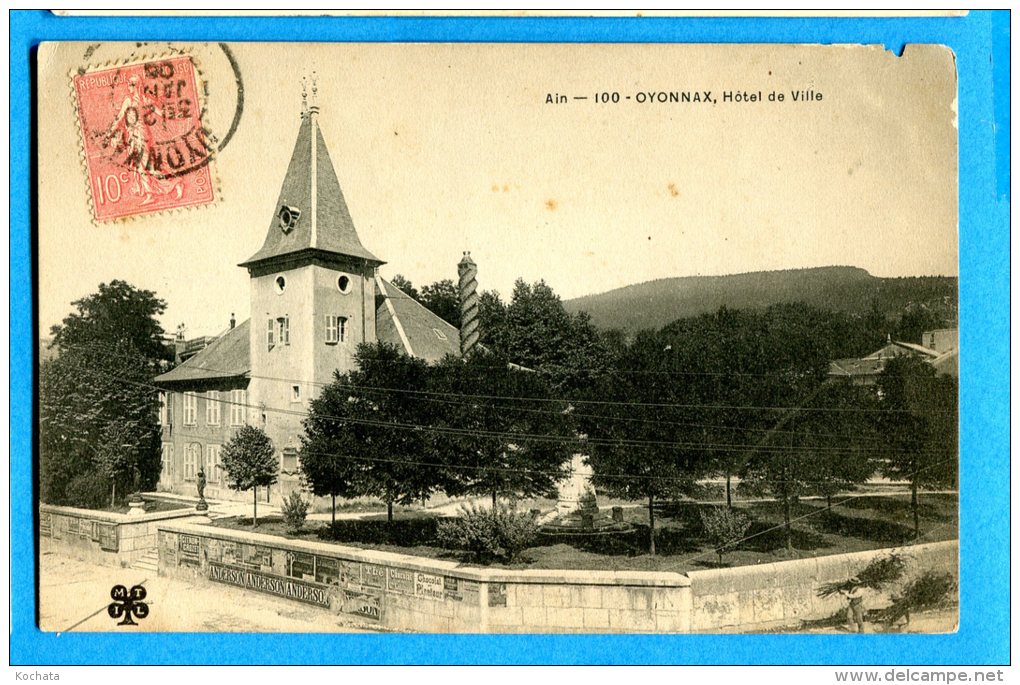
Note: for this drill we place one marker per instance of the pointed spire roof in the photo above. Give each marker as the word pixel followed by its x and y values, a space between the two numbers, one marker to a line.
pixel 322 222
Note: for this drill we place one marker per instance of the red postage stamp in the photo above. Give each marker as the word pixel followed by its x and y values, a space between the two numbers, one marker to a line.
pixel 145 146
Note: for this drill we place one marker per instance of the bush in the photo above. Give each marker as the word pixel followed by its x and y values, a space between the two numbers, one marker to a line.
pixel 931 590
pixel 501 532
pixel 724 528
pixel 88 491
pixel 295 510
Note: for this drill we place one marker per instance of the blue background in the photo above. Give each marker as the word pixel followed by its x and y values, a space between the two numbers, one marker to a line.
pixel 981 44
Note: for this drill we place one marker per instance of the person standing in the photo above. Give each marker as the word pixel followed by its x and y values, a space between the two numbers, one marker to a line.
pixel 855 608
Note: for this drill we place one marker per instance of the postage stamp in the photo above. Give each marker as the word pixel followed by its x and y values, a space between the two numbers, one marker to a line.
pixel 144 144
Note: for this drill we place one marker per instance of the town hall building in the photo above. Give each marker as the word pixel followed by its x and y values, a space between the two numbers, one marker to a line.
pixel 316 294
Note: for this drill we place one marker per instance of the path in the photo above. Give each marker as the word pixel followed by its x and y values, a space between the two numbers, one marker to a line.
pixel 74 594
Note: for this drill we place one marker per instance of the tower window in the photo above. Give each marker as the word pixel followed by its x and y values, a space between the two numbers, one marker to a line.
pixel 295 393
pixel 281 284
pixel 270 334
pixel 283 330
pixel 343 284
pixel 336 329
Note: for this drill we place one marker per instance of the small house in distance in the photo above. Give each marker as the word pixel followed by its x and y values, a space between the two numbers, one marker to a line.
pixel 938 348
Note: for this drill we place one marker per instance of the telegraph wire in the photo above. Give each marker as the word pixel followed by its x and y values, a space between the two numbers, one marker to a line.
pixel 657 405
pixel 472 432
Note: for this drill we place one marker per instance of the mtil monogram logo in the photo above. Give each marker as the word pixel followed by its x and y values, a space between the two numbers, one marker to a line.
pixel 128 604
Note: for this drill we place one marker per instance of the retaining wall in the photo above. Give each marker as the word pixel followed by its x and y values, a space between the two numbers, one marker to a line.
pixel 431 595
pixel 104 537
pixel 427 595
pixel 785 593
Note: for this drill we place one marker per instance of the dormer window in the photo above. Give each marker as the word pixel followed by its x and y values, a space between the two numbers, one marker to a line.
pixel 288 217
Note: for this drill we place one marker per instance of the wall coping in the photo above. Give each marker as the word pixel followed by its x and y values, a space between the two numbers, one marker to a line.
pixel 440 566
pixel 113 517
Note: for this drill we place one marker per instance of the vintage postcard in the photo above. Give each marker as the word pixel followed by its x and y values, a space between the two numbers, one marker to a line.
pixel 497 338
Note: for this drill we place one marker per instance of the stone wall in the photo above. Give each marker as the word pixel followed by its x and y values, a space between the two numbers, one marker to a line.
pixel 430 595
pixel 785 593
pixel 103 537
pixel 427 595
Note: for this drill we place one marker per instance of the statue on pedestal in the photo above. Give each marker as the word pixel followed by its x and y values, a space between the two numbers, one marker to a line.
pixel 202 505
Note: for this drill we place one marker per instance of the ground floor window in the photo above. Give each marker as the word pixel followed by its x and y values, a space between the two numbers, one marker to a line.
pixel 192 458
pixel 167 472
pixel 213 468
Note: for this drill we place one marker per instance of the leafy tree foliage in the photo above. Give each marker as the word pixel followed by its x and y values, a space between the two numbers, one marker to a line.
pixel 250 462
pixel 97 415
pixel 97 412
pixel 443 299
pixel 405 286
pixel 643 435
pixel 393 426
pixel 331 442
pixel 534 330
pixel 916 320
pixel 118 314
pixel 919 424
pixel 500 434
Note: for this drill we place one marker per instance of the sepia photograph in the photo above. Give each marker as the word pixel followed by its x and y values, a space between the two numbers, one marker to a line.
pixel 497 338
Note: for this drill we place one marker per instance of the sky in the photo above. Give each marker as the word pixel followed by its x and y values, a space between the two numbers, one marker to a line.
pixel 446 148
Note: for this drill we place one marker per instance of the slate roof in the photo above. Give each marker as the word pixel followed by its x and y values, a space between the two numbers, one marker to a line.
pixel 325 224
pixel 947 363
pixel 856 367
pixel 403 321
pixel 400 320
pixel 229 356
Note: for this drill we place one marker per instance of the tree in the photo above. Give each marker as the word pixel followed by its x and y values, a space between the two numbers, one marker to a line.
pixel 393 425
pixel 918 424
pixel 534 330
pixel 98 411
pixel 330 441
pixel 118 313
pixel 405 286
pixel 250 462
pixel 644 439
pixel 443 299
pixel 917 319
pixel 497 425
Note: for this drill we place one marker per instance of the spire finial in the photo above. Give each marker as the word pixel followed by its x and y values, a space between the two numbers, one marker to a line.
pixel 313 103
pixel 304 95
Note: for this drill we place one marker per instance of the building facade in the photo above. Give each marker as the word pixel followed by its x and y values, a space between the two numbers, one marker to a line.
pixel 315 295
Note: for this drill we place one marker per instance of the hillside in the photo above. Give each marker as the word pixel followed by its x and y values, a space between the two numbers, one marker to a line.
pixel 839 288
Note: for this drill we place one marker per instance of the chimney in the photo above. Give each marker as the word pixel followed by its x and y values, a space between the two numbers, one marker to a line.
pixel 468 304
pixel 233 321
pixel 179 343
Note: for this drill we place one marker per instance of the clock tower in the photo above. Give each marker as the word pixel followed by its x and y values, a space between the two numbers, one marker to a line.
pixel 312 291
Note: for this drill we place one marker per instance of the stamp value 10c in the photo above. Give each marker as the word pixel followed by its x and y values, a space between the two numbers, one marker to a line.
pixel 145 147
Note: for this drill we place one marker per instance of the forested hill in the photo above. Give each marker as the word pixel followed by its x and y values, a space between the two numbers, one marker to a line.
pixel 839 288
